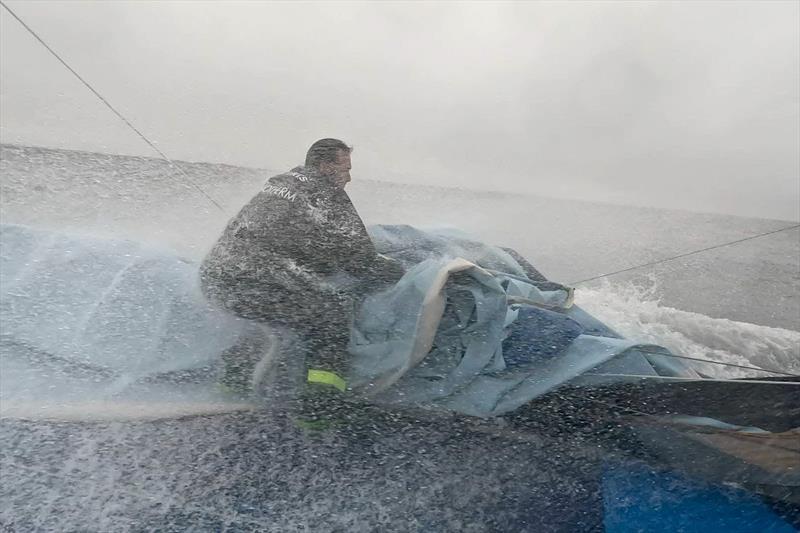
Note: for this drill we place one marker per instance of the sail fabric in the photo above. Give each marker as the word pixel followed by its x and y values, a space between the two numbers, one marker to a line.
pixel 437 338
pixel 113 305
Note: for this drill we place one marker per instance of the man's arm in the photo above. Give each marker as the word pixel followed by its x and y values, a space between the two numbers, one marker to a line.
pixel 389 270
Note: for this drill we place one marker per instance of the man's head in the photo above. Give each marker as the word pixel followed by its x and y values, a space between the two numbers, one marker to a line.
pixel 330 158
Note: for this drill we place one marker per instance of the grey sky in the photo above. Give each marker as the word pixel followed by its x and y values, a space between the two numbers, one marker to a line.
pixel 684 105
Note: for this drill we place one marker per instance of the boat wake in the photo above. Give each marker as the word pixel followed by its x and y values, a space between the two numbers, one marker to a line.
pixel 636 312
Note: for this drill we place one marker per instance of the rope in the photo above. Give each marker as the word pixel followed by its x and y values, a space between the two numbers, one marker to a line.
pixel 112 108
pixel 663 354
pixel 717 380
pixel 686 254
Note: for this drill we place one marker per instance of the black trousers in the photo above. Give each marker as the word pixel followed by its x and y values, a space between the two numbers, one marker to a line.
pixel 322 319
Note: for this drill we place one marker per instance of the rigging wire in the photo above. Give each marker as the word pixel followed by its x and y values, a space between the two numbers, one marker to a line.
pixel 706 249
pixel 723 363
pixel 677 378
pixel 112 108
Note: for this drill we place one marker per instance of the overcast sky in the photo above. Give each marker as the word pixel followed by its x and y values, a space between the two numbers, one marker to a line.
pixel 686 105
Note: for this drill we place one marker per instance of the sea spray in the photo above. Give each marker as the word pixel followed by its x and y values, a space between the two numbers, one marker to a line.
pixel 635 311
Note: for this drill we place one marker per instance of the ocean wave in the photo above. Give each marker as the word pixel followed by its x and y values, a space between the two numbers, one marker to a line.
pixel 635 311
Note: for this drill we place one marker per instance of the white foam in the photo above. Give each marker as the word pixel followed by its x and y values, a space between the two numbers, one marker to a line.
pixel 636 312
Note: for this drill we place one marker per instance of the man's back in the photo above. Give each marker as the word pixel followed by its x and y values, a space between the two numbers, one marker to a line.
pixel 298 229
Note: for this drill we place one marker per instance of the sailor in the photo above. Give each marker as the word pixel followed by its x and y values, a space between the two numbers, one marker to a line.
pixel 299 255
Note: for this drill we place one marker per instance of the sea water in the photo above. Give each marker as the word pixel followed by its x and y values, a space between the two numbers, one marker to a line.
pixel 739 304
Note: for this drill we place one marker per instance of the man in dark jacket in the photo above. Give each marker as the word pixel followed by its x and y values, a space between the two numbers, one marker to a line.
pixel 299 255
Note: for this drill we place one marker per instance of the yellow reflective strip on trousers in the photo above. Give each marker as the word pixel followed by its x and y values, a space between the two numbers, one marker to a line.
pixel 327 378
